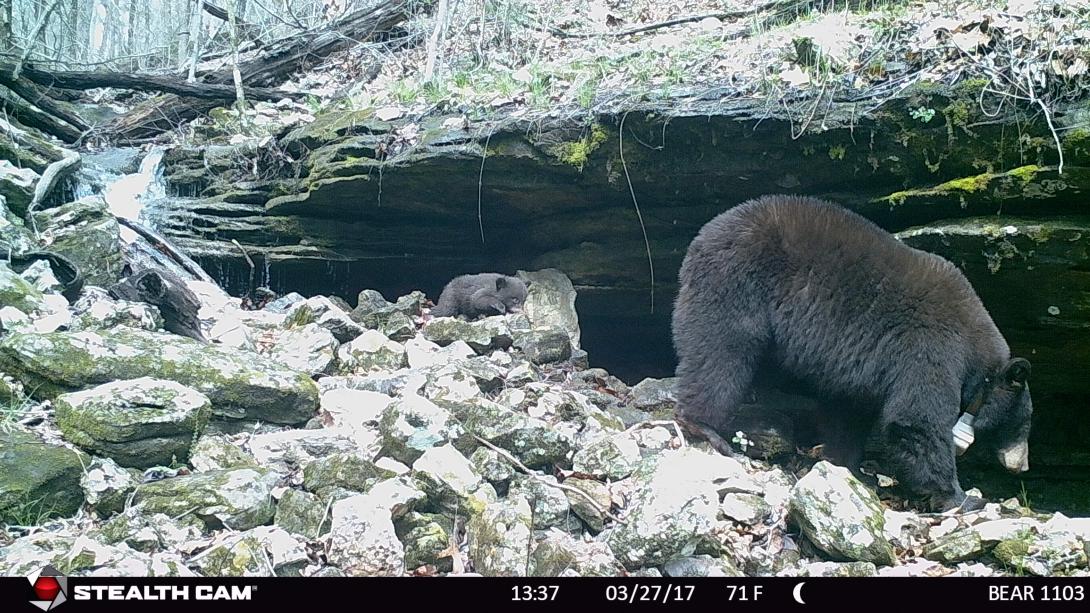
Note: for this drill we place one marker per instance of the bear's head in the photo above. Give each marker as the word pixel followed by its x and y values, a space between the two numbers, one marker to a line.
pixel 1003 420
pixel 512 293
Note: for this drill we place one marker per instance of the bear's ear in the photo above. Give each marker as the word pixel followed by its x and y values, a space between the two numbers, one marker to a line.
pixel 1016 372
pixel 501 282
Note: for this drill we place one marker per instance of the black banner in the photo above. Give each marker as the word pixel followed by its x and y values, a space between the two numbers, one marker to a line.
pixel 593 594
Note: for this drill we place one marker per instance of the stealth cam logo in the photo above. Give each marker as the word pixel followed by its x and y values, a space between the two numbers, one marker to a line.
pixel 50 586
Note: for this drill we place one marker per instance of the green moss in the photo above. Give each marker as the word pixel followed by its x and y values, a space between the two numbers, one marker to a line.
pixel 837 152
pixel 970 185
pixel 1025 174
pixel 578 152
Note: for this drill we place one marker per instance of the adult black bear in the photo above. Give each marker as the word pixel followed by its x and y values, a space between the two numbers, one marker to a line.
pixel 487 293
pixel 891 336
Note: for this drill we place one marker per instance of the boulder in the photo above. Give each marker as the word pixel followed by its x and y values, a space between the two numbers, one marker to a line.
pixel 87 233
pixel 140 422
pixel 310 349
pixel 238 499
pixel 239 385
pixel 363 541
pixel 550 302
pixel 840 515
pixel 37 480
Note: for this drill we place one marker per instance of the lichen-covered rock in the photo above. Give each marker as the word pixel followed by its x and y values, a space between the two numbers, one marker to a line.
pixel 655 396
pixel 37 480
pixel 18 293
pixel 148 533
pixel 239 554
pixel 744 508
pixel 239 385
pixel 596 493
pixel 838 569
pixel 1043 555
pixel 544 346
pixel 675 504
pixel 412 425
pixel 482 335
pixel 106 486
pixel 612 457
pixel 422 353
pixel 239 499
pixel 498 538
pixel 550 302
pixel 217 452
pixel 310 349
pixel 449 481
pixel 91 558
pixel 451 383
pixel 87 233
pixel 14 235
pixel 701 566
pixel 427 540
pixel 549 504
pixel 955 547
pixel 371 351
pixel 17 186
pixel 398 495
pixel 840 515
pixel 322 311
pixel 141 422
pixel 491 466
pixel 302 513
pixel 532 441
pixel 96 310
pixel 363 541
pixel 392 320
pixel 290 449
pixel 557 552
pixel 349 471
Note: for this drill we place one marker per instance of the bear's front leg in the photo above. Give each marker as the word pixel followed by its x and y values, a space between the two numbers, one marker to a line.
pixel 920 447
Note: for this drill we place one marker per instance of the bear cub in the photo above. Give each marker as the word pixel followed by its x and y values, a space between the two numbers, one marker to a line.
pixel 483 294
pixel 892 339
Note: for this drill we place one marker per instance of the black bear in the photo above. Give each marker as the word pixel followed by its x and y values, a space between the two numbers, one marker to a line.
pixel 888 336
pixel 487 293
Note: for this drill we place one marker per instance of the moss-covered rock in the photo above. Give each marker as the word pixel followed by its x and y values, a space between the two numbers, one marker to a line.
pixel 239 499
pixel 427 540
pixel 240 385
pixel 16 292
pixel 88 234
pixel 302 513
pixel 37 480
pixel 558 552
pixel 498 537
pixel 532 440
pixel 371 351
pixel 342 471
pixel 840 515
pixel 140 422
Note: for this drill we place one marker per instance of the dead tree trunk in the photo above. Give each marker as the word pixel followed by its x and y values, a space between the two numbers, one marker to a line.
pixel 276 63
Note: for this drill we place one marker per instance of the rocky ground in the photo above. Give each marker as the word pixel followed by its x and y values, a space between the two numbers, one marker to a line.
pixel 316 439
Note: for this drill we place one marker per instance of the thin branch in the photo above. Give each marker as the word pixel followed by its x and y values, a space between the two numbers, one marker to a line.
pixel 540 478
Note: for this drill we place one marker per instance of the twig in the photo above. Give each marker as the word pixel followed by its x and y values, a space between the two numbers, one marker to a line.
pixel 636 205
pixel 480 184
pixel 250 287
pixel 672 22
pixel 539 477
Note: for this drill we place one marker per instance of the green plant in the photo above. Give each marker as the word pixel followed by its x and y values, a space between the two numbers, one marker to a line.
pixel 1023 495
pixel 923 113
pixel 741 440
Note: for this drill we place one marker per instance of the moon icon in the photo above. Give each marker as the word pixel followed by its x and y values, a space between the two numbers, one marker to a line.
pixel 797 592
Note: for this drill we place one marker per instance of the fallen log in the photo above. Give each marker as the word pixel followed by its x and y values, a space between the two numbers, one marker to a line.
pixel 276 62
pixel 141 82
pixel 34 117
pixel 53 174
pixel 245 28
pixel 43 101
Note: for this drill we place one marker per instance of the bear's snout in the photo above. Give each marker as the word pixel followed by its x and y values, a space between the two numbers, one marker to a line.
pixel 1015 458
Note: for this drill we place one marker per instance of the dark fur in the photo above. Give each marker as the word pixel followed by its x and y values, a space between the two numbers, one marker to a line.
pixel 487 293
pixel 886 335
pixel 178 305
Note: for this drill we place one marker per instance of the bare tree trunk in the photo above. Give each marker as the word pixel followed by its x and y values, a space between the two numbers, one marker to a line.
pixel 5 25
pixel 435 39
pixel 232 19
pixel 43 20
pixel 196 32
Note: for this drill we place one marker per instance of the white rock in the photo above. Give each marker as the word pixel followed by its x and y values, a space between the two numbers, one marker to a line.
pixel 362 540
